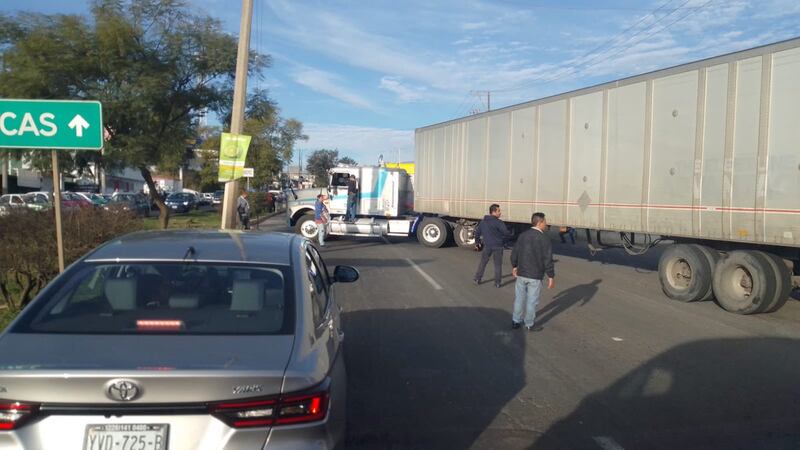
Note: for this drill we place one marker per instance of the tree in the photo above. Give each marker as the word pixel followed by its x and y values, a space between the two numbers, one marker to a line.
pixel 153 64
pixel 348 161
pixel 318 164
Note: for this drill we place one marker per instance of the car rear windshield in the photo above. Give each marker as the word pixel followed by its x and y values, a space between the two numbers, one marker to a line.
pixel 140 298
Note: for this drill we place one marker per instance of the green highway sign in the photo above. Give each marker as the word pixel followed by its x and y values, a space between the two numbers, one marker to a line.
pixel 51 124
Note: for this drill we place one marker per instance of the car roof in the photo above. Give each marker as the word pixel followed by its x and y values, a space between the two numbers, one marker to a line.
pixel 209 245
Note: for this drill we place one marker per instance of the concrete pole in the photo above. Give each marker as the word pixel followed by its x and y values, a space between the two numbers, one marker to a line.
pixel 4 173
pixel 237 114
pixel 57 209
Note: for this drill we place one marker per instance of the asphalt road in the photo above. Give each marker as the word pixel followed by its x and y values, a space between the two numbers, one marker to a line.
pixel 432 361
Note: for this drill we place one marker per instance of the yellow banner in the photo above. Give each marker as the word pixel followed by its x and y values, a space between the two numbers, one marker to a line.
pixel 232 153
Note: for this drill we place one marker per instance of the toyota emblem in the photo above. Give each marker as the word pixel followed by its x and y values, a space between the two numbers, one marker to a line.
pixel 123 390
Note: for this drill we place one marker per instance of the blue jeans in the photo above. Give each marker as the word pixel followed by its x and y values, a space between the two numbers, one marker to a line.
pixel 527 296
pixel 351 207
pixel 321 233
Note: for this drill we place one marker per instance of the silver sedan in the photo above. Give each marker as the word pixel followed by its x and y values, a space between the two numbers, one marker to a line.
pixel 180 340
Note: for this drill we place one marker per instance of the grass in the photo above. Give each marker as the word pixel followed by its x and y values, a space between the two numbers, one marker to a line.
pixel 209 219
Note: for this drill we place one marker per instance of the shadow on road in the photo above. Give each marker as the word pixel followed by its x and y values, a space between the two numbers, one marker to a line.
pixel 429 378
pixel 710 394
pixel 564 300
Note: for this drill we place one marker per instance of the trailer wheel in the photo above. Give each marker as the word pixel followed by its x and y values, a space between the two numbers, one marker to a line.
pixel 433 232
pixel 464 236
pixel 712 256
pixel 744 282
pixel 685 273
pixel 306 226
pixel 783 282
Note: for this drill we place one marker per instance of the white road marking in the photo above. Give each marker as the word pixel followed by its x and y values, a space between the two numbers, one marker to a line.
pixel 427 277
pixel 617 339
pixel 607 443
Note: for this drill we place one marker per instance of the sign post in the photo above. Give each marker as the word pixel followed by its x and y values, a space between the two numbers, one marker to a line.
pixel 54 125
pixel 248 173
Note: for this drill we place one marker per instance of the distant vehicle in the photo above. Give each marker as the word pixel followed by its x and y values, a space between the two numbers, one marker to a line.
pixel 198 197
pixel 96 199
pixel 135 203
pixel 208 197
pixel 47 196
pixel 11 202
pixel 36 202
pixel 181 340
pixel 218 197
pixel 181 202
pixel 71 201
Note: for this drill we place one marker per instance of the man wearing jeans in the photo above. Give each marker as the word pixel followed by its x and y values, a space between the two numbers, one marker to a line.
pixel 531 260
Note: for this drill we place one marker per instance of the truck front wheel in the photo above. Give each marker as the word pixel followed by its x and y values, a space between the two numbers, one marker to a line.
pixel 306 226
pixel 432 232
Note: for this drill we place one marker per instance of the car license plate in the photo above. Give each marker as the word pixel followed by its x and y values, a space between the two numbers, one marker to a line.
pixel 174 206
pixel 126 436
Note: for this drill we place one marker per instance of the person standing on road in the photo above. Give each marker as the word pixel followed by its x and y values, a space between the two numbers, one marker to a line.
pixel 243 208
pixel 321 217
pixel 531 260
pixel 352 199
pixel 495 234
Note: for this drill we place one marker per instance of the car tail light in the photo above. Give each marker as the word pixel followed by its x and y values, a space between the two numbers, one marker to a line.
pixel 288 410
pixel 15 414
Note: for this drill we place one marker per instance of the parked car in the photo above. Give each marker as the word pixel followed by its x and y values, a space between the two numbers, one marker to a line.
pixel 181 202
pixel 96 199
pixel 71 201
pixel 136 203
pixel 198 197
pixel 47 196
pixel 218 197
pixel 36 202
pixel 11 202
pixel 208 197
pixel 183 339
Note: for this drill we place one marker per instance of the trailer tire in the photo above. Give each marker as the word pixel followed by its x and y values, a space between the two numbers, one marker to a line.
pixel 783 282
pixel 464 236
pixel 744 282
pixel 433 232
pixel 712 256
pixel 685 273
pixel 306 227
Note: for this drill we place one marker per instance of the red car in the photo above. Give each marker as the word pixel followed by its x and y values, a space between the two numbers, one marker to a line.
pixel 74 202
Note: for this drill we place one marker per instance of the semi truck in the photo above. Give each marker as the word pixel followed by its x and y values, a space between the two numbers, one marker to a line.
pixel 704 156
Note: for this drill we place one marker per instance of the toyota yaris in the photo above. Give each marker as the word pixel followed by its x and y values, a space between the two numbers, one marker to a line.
pixel 180 340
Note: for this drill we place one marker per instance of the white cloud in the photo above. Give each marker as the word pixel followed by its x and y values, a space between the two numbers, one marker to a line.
pixel 364 144
pixel 405 94
pixel 330 84
pixel 468 26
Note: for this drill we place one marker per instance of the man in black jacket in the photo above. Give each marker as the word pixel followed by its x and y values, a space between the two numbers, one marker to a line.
pixel 531 260
pixel 495 234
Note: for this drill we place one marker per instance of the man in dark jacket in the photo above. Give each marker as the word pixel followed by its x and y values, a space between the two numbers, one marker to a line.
pixel 495 234
pixel 531 260
pixel 352 199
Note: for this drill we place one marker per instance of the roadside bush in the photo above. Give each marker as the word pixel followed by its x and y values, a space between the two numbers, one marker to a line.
pixel 28 258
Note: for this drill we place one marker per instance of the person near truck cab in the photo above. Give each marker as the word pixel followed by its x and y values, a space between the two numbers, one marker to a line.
pixel 352 199
pixel 321 218
pixel 494 234
pixel 531 260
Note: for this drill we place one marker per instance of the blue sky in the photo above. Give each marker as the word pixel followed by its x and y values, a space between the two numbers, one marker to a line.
pixel 362 75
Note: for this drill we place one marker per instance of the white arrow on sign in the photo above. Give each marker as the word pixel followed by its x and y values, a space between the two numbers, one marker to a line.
pixel 78 123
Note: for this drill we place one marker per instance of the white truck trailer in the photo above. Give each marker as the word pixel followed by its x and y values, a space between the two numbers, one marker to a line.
pixel 706 155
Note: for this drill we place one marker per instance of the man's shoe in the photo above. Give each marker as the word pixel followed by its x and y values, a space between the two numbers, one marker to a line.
pixel 476 282
pixel 515 325
pixel 498 285
pixel 534 328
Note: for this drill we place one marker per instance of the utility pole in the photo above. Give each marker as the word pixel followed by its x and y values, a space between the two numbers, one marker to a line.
pixel 237 114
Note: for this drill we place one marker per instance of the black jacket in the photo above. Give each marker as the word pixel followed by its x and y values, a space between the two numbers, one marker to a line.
pixel 533 255
pixel 493 231
pixel 352 187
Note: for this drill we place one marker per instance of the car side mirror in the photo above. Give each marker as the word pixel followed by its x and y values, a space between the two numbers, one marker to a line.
pixel 345 274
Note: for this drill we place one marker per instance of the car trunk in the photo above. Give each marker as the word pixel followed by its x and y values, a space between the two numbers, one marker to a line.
pixel 171 369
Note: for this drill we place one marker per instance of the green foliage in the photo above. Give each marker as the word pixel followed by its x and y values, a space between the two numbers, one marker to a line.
pixel 28 258
pixel 346 160
pixel 153 64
